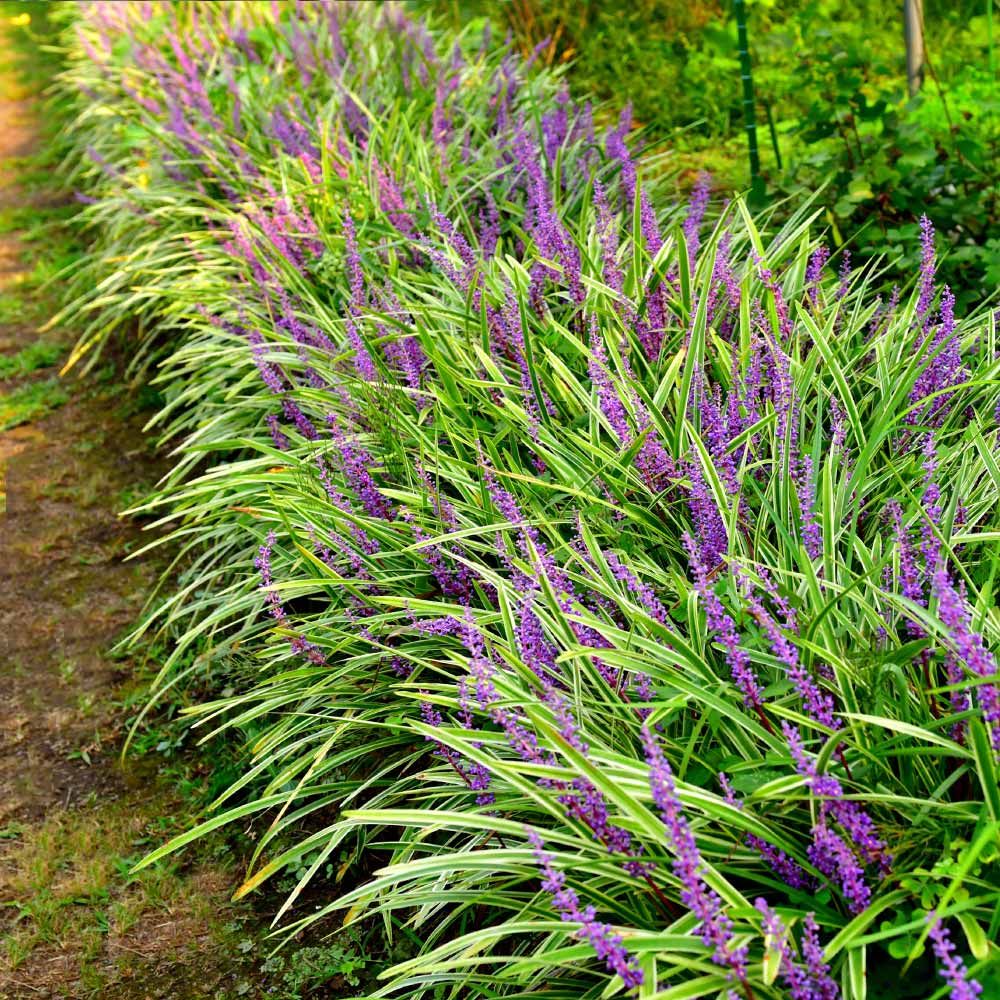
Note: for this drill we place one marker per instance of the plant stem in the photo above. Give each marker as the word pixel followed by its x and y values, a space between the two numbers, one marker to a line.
pixel 914 30
pixel 989 35
pixel 774 133
pixel 746 75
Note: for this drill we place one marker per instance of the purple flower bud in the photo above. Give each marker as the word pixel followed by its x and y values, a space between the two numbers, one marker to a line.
pixel 808 981
pixel 952 969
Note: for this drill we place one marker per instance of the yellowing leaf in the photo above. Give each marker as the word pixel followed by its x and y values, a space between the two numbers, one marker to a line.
pixel 772 958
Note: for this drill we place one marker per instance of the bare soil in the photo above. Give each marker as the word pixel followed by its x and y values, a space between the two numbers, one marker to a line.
pixel 67 592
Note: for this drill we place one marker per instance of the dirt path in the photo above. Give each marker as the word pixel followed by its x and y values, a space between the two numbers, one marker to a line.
pixel 73 921
pixel 66 591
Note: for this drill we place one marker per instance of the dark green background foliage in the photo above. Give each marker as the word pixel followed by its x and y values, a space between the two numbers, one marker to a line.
pixel 832 108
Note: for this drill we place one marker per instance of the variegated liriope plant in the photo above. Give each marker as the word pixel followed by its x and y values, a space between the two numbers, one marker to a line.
pixel 611 582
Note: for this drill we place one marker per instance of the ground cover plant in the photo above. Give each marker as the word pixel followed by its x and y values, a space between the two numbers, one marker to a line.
pixel 603 590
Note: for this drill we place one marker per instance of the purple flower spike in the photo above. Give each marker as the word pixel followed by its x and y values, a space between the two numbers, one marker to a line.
pixel 829 852
pixel 263 565
pixel 831 855
pixel 713 537
pixel 844 275
pixel 794 975
pixel 278 436
pixel 812 952
pixel 930 546
pixel 819 705
pixel 724 629
pixel 714 926
pixel 607 393
pixel 643 592
pixel 780 863
pixel 475 776
pixel 606 943
pixel 809 528
pixel 942 356
pixel 696 215
pixel 908 572
pixel 926 267
pixel 616 148
pixel 952 969
pixel 786 868
pixel 969 648
pixel 814 272
pixel 536 651
pixel 355 464
pixel 276 609
pixel 808 981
